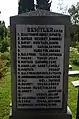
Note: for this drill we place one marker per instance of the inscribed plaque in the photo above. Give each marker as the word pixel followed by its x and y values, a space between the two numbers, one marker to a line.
pixel 40 56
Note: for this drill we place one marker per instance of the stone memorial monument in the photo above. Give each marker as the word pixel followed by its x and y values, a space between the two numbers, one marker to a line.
pixel 39 65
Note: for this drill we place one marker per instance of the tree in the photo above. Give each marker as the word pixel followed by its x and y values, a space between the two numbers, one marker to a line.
pixel 43 4
pixel 25 6
pixel 3 30
pixel 4 39
pixel 74 13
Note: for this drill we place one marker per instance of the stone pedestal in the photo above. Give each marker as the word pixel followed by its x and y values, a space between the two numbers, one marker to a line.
pixel 41 115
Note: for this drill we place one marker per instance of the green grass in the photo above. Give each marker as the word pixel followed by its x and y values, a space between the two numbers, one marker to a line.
pixel 72 96
pixel 74 67
pixel 72 91
pixel 5 96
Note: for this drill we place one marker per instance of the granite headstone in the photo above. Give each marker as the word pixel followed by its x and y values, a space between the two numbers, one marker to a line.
pixel 39 65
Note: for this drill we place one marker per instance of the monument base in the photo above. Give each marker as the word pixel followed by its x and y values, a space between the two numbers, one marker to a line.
pixel 39 115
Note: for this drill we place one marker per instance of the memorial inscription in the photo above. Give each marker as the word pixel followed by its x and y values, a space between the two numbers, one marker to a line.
pixel 40 50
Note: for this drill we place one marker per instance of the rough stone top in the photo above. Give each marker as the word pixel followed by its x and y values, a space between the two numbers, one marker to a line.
pixel 57 18
pixel 42 13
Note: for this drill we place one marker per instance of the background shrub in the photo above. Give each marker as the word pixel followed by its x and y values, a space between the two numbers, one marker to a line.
pixel 74 56
pixel 3 67
pixel 76 60
pixel 5 56
pixel 4 45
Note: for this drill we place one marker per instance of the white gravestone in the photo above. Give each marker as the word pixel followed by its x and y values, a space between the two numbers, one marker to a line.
pixel 40 54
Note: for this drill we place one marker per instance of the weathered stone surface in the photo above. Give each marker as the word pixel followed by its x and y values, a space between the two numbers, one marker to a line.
pixel 39 19
pixel 43 115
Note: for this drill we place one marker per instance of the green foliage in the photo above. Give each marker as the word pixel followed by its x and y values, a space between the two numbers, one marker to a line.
pixel 74 33
pixel 74 56
pixel 77 46
pixel 76 37
pixel 3 67
pixel 3 30
pixel 4 37
pixel 4 63
pixel 5 56
pixel 74 13
pixel 4 45
pixel 73 43
pixel 76 60
pixel 44 4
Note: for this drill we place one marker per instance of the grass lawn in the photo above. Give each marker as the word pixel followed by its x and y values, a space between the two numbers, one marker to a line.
pixel 72 96
pixel 5 95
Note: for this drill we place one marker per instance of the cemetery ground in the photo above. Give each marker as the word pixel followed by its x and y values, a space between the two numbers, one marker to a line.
pixel 5 89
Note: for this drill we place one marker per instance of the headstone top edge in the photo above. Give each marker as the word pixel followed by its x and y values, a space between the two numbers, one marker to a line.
pixel 41 13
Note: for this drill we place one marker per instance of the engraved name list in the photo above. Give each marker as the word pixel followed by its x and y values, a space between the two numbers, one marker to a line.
pixel 40 50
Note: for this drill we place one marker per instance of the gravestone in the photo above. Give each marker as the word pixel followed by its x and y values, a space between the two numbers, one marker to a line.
pixel 39 65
